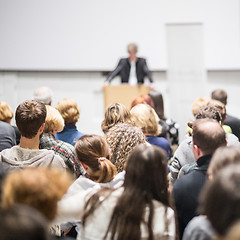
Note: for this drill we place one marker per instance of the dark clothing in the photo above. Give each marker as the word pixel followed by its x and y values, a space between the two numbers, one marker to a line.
pixel 160 142
pixel 234 123
pixel 186 192
pixel 18 134
pixel 7 136
pixel 69 134
pixel 123 69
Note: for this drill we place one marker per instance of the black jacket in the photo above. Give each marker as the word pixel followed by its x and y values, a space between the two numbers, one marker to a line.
pixel 123 69
pixel 186 192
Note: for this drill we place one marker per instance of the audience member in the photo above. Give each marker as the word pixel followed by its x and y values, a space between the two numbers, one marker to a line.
pixel 170 128
pixel 184 155
pixel 43 94
pixel 233 122
pixel 55 123
pixel 145 117
pixel 220 199
pixel 122 139
pixel 208 135
pixel 30 119
pixel 200 227
pixel 115 113
pixel 39 188
pixel 112 214
pixel 69 110
pixel 8 136
pixel 22 223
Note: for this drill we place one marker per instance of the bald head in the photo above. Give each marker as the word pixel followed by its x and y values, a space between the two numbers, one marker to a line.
pixel 208 135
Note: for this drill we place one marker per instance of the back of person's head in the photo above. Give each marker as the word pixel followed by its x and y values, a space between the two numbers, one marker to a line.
pixel 29 116
pixel 146 118
pixel 220 107
pixel 132 47
pixel 199 103
pixel 145 181
pixel 220 95
pixel 220 199
pixel 6 113
pixel 44 95
pixel 54 120
pixel 93 151
pixel 23 223
pixel 209 111
pixel 144 99
pixel 222 157
pixel 146 171
pixel 69 110
pixel 40 188
pixel 158 103
pixel 122 139
pixel 115 113
pixel 208 135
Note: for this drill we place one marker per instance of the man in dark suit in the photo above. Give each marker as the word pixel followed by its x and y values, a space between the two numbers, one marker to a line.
pixel 233 122
pixel 133 69
pixel 207 136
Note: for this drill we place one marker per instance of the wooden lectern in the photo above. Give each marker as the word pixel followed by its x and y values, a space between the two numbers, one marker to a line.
pixel 123 94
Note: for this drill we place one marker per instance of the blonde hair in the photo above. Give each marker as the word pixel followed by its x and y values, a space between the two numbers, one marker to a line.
pixel 6 113
pixel 40 188
pixel 115 113
pixel 69 110
pixel 122 139
pixel 132 46
pixel 199 103
pixel 93 151
pixel 146 118
pixel 54 120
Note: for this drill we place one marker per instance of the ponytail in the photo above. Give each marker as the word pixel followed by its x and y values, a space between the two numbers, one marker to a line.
pixel 107 170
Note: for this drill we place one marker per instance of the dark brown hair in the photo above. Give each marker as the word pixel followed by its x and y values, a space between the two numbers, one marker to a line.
pixel 158 103
pixel 220 199
pixel 93 151
pixel 220 95
pixel 209 111
pixel 145 180
pixel 208 135
pixel 30 115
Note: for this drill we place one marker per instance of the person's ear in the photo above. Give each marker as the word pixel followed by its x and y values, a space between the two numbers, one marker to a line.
pixel 42 128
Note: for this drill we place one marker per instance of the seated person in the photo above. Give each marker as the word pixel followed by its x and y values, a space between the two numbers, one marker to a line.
pixel 30 119
pixel 70 112
pixel 115 113
pixel 40 188
pixel 43 94
pixel 55 123
pixel 113 213
pixel 122 139
pixel 8 133
pixel 146 118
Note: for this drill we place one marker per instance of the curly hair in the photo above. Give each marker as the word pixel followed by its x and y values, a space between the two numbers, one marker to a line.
pixel 6 113
pixel 40 188
pixel 115 113
pixel 69 110
pixel 122 139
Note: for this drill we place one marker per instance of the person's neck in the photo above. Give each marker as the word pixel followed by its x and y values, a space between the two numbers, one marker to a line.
pixel 132 58
pixel 29 143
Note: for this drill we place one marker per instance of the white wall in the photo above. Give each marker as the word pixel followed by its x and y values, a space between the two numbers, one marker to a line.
pixel 85 88
pixel 93 34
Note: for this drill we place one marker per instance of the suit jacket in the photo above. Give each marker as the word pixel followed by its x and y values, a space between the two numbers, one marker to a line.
pixel 123 69
pixel 186 192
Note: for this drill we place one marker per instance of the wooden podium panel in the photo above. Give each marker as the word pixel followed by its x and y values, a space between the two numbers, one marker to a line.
pixel 123 94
